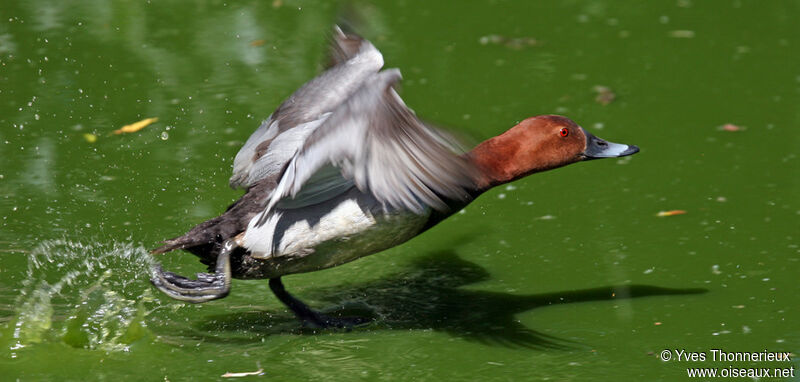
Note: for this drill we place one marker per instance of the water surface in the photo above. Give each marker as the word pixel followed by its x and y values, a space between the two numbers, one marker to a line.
pixel 565 275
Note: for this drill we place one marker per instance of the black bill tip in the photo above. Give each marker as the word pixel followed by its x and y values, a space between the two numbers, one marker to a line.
pixel 597 148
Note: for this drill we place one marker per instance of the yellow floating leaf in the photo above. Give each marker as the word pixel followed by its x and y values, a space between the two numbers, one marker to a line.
pixel 670 213
pixel 89 137
pixel 136 126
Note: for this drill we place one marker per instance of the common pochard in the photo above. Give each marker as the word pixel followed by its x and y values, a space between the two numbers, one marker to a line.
pixel 343 169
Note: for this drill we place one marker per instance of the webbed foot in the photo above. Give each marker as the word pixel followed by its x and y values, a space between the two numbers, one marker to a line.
pixel 207 286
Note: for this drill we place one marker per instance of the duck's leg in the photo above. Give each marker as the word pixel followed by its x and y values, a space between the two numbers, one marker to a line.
pixel 207 287
pixel 308 316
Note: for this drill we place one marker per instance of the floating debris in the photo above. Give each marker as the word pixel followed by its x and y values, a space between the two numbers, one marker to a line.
pixel 258 42
pixel 243 374
pixel 491 39
pixel 729 127
pixel 136 126
pixel 681 34
pixel 662 214
pixel 516 43
pixel 89 137
pixel 604 95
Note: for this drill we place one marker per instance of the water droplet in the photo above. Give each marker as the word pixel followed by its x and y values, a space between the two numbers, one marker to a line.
pixel 164 136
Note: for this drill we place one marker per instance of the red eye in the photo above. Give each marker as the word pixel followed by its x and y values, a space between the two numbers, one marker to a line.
pixel 564 132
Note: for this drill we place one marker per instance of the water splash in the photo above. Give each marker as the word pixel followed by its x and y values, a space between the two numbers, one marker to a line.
pixel 92 296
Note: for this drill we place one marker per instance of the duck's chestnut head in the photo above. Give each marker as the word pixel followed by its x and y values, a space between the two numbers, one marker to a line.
pixel 541 143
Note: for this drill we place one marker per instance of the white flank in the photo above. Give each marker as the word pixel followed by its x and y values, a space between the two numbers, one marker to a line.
pixel 328 234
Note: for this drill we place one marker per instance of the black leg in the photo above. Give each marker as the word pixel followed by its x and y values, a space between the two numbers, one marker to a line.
pixel 308 316
pixel 207 287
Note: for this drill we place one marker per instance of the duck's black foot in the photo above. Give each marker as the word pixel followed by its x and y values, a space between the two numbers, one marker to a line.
pixel 207 287
pixel 309 317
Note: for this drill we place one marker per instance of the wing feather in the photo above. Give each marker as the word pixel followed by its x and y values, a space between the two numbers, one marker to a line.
pixel 309 103
pixel 378 143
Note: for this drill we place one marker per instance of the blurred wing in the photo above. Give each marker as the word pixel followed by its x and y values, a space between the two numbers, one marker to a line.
pixel 306 107
pixel 325 184
pixel 270 159
pixel 379 144
pixel 343 46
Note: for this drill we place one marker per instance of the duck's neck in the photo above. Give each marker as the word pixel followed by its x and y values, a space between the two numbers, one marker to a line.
pixel 498 161
pixel 505 158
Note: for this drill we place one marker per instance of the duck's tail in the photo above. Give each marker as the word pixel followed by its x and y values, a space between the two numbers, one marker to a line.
pixel 205 237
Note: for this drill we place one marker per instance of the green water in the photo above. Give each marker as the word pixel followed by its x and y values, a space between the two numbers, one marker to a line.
pixel 566 275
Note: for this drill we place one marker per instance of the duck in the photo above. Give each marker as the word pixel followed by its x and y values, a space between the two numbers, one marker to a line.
pixel 343 169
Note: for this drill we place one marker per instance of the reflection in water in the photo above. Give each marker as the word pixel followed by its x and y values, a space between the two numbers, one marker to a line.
pixel 7 44
pixel 88 296
pixel 429 296
pixel 46 17
pixel 39 169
